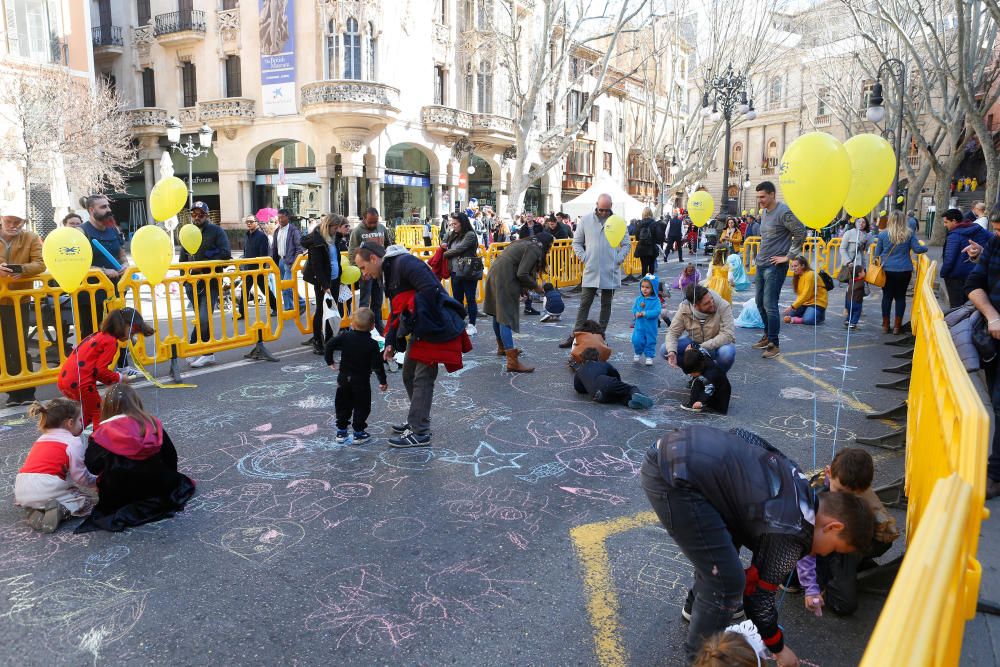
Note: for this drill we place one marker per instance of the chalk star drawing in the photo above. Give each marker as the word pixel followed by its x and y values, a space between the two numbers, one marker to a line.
pixel 486 460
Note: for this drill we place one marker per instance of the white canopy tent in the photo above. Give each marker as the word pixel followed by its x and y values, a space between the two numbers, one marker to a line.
pixel 623 204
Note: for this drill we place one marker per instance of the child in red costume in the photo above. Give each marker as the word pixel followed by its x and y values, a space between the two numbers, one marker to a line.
pixel 89 363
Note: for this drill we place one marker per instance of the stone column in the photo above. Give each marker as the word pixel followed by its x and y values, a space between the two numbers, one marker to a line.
pixel 246 198
pixel 148 167
pixel 352 164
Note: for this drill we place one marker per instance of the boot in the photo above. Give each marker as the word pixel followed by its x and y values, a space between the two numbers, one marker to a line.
pixel 897 326
pixel 515 366
pixel 501 350
pixel 885 324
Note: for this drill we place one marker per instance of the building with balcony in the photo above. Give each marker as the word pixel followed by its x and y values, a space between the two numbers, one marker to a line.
pixel 39 37
pixel 349 104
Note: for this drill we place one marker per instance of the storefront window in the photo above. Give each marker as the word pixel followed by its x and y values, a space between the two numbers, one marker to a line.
pixel 406 188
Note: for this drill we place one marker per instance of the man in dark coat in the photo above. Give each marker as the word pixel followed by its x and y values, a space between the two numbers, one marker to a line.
pixel 214 247
pixel 256 245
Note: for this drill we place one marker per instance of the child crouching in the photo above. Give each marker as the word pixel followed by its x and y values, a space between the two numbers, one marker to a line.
pixel 710 387
pixel 604 384
pixel 54 483
pixel 553 305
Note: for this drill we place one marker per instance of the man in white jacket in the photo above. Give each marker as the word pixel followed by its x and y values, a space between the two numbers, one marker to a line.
pixel 602 264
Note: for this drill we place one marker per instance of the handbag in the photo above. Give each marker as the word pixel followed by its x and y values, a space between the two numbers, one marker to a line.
pixel 875 274
pixel 469 268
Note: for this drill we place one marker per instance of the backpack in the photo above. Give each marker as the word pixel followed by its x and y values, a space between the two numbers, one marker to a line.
pixel 827 280
pixel 645 234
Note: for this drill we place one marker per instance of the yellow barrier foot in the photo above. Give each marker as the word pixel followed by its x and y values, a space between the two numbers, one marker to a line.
pixel 905 354
pixel 175 370
pixel 260 353
pixel 894 494
pixel 903 384
pixel 902 369
pixel 905 341
pixel 893 441
pixel 898 413
pixel 878 580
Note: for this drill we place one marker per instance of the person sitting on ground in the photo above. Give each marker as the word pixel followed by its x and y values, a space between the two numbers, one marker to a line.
pixel 710 388
pixel 716 492
pixel 704 318
pixel 552 305
pixel 359 356
pixel 136 466
pixel 89 362
pixel 603 383
pixel 646 315
pixel 589 335
pixel 689 276
pixel 811 298
pixel 737 273
pixel 53 483
pixel 832 580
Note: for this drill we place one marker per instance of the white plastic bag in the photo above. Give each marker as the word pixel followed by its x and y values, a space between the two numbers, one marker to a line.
pixel 331 315
pixel 749 317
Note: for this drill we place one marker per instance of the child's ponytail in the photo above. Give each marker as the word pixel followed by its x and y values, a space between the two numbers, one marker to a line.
pixel 55 413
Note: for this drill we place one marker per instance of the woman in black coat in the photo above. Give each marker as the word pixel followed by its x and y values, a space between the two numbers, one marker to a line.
pixel 324 246
pixel 463 244
pixel 648 237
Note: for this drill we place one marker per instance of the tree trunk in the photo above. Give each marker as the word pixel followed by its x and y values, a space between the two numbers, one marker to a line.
pixel 941 192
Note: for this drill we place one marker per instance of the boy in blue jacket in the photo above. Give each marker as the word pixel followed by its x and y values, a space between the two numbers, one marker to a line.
pixel 646 311
pixel 955 264
pixel 553 305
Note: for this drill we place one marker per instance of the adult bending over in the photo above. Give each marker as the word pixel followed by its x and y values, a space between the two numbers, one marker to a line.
pixel 893 250
pixel 704 319
pixel 512 273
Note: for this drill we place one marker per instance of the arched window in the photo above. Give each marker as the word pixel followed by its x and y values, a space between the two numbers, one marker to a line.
pixel 371 52
pixel 332 51
pixel 738 156
pixel 352 50
pixel 484 82
pixel 772 149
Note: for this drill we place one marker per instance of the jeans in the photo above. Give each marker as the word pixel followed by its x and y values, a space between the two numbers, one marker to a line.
pixel 853 308
pixel 204 306
pixel 724 355
pixel 896 283
pixel 419 378
pixel 286 294
pixel 701 534
pixel 464 291
pixel 15 340
pixel 993 382
pixel 769 282
pixel 504 334
pixel 370 296
pixel 587 300
pixel 811 315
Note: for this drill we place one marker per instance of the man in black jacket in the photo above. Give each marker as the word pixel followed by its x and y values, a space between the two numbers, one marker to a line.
pixel 675 238
pixel 256 245
pixel 214 247
pixel 717 491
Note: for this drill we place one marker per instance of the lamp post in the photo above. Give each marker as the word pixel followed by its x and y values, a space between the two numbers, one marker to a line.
pixel 729 97
pixel 894 68
pixel 189 150
pixel 744 186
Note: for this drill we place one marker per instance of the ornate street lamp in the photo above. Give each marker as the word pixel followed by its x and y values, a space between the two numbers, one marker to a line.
pixel 894 68
pixel 729 99
pixel 189 150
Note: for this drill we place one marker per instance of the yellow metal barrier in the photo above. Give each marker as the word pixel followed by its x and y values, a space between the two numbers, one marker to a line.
pixel 832 262
pixel 412 236
pixel 48 311
pixel 947 435
pixel 632 266
pixel 751 246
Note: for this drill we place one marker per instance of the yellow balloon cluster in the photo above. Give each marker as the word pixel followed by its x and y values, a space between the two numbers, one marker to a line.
pixel 68 255
pixel 153 252
pixel 167 198
pixel 614 229
pixel 190 236
pixel 701 206
pixel 349 274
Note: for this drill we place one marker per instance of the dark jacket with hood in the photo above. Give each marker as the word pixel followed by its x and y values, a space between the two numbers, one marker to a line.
pixel 137 478
pixel 403 272
pixel 650 246
pixel 954 263
pixel 318 270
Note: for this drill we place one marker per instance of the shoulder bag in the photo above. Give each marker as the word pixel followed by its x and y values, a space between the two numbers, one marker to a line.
pixel 875 274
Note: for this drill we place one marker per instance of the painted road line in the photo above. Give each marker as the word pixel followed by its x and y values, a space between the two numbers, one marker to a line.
pixel 848 400
pixel 802 353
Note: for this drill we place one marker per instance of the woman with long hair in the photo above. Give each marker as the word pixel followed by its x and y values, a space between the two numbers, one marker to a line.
pixel 324 245
pixel 732 236
pixel 461 250
pixel 893 250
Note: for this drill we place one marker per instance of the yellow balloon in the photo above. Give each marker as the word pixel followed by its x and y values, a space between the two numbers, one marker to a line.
pixel 872 165
pixel 350 275
pixel 744 211
pixel 900 199
pixel 701 206
pixel 882 213
pixel 815 178
pixel 153 252
pixel 614 229
pixel 68 255
pixel 167 198
pixel 190 236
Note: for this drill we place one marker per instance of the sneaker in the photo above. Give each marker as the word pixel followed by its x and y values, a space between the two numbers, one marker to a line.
pixel 649 361
pixel 341 436
pixel 400 428
pixel 762 343
pixel 846 324
pixel 410 439
pixel 568 343
pixel 640 402
pixel 307 342
pixel 128 371
pixel 636 358
pixel 47 520
pixel 771 351
pixel 203 361
pixel 852 326
pixel 15 402
pixel 361 436
pixel 545 317
pixel 528 310
pixel 471 330
pixel 688 606
pixel 690 407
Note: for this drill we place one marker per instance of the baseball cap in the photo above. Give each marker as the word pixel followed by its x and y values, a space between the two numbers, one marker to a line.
pixel 200 205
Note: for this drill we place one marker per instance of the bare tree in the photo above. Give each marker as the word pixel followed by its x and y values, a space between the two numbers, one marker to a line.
pixel 58 118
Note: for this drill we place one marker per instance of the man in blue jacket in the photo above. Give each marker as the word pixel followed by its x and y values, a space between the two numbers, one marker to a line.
pixel 214 247
pixel 256 245
pixel 956 264
pixel 286 246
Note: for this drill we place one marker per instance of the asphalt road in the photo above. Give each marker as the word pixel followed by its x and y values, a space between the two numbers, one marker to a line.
pixel 300 551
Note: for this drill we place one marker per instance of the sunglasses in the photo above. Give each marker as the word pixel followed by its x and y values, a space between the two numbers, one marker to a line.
pixel 603 210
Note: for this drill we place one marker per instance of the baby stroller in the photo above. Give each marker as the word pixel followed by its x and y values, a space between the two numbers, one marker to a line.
pixel 711 238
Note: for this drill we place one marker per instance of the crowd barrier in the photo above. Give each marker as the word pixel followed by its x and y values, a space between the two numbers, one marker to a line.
pixel 947 435
pixel 412 236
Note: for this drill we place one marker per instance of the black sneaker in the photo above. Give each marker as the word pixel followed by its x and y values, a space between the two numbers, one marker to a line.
pixel 410 439
pixel 307 342
pixel 15 402
pixel 341 436
pixel 400 428
pixel 528 310
pixel 361 436
pixel 688 606
pixel 567 343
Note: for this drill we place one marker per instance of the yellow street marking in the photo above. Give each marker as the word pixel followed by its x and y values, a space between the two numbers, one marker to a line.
pixel 848 400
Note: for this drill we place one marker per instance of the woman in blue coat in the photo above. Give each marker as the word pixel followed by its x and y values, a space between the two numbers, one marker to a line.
pixel 894 246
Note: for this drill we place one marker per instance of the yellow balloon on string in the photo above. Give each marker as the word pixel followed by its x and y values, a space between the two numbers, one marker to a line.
pixel 873 164
pixel 701 206
pixel 153 252
pixel 614 229
pixel 815 178
pixel 167 198
pixel 190 236
pixel 68 256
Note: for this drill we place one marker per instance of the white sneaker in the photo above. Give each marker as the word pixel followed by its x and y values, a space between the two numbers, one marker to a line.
pixel 545 317
pixel 203 361
pixel 649 361
pixel 128 371
pixel 636 358
pixel 471 329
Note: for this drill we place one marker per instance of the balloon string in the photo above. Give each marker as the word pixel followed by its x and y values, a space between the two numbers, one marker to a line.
pixel 815 345
pixel 847 347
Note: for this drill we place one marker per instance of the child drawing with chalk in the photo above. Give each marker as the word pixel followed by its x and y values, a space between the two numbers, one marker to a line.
pixel 359 356
pixel 603 383
pixel 90 361
pixel 54 483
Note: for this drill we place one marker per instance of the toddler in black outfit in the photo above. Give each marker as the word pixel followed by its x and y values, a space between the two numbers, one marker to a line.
pixel 710 387
pixel 359 356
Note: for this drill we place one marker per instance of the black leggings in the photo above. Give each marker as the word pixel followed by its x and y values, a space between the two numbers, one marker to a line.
pixel 648 265
pixel 896 283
